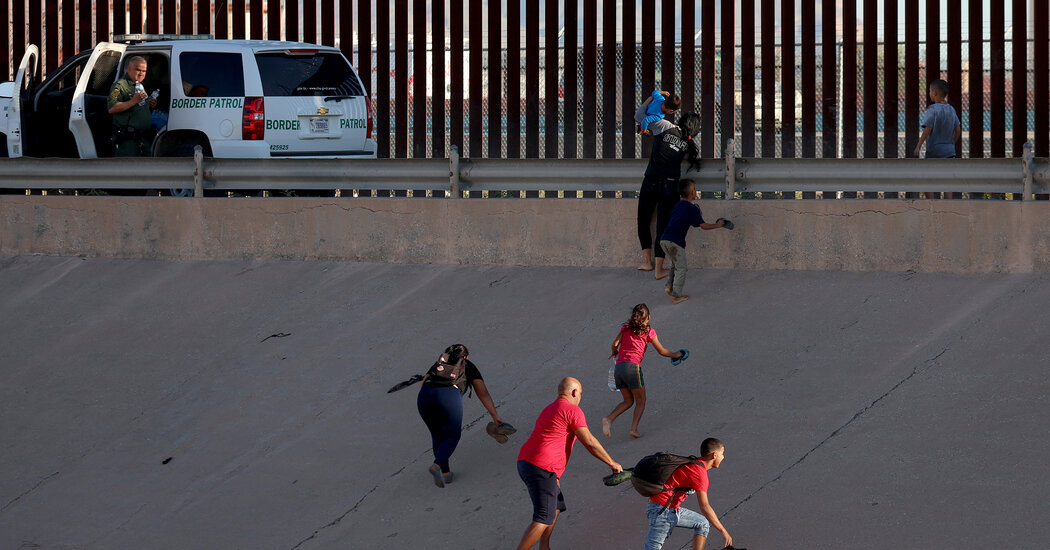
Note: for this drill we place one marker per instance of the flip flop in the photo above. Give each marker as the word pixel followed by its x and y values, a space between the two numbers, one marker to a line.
pixel 506 429
pixel 616 479
pixel 500 432
pixel 685 355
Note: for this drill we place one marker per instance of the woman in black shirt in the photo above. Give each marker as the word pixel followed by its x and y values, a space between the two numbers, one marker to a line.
pixel 659 190
pixel 440 404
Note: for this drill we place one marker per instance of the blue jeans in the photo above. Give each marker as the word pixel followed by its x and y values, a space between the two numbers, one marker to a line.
pixel 661 524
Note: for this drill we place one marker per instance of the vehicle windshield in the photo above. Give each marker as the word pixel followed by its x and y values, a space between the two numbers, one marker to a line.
pixel 317 74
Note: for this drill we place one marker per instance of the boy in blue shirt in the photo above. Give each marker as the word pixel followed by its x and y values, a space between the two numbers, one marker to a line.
pixel 684 215
pixel 657 107
pixel 940 125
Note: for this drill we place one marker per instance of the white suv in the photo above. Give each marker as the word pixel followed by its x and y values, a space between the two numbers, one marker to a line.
pixel 234 98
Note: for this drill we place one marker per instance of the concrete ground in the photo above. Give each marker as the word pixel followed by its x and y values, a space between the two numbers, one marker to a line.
pixel 166 405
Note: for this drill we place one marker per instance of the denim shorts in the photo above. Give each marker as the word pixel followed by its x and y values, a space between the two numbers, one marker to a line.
pixel 629 376
pixel 544 492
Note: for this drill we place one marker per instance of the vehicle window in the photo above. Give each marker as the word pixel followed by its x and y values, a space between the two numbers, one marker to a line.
pixel 209 74
pixel 323 73
pixel 104 73
pixel 67 79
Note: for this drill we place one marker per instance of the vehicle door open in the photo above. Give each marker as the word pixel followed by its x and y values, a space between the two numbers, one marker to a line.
pixel 24 79
pixel 89 118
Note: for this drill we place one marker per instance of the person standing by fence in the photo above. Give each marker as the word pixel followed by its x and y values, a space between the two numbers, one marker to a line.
pixel 941 129
pixel 659 191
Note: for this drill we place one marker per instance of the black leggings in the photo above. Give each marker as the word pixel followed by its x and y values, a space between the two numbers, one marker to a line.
pixel 654 197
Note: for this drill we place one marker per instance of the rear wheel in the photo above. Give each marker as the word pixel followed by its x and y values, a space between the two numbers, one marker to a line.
pixel 182 148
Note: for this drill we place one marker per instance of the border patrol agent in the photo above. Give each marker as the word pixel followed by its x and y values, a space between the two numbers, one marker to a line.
pixel 131 115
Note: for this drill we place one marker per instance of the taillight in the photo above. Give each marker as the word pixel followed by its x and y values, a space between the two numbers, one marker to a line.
pixel 368 113
pixel 253 119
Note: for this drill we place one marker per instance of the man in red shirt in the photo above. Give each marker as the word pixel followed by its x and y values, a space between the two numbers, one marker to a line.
pixel 665 511
pixel 543 458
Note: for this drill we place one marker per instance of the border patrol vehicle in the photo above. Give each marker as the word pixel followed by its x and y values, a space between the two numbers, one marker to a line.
pixel 234 98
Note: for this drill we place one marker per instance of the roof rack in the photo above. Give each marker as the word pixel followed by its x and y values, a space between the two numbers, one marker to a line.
pixel 142 37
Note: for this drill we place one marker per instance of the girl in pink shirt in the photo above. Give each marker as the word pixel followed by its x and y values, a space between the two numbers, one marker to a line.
pixel 629 348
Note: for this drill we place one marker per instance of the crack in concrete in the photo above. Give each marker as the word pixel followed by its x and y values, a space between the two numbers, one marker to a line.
pixel 871 211
pixel 352 509
pixel 39 482
pixel 926 365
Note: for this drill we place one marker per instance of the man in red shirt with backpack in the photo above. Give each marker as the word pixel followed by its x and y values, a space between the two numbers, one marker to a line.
pixel 665 512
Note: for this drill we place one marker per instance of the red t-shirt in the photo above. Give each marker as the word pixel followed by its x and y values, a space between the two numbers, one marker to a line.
pixel 687 475
pixel 552 439
pixel 632 346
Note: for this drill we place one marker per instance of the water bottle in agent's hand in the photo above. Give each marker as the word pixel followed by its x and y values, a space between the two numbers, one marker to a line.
pixel 140 88
pixel 612 377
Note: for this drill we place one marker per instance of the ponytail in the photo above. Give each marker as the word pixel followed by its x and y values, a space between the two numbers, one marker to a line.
pixel 455 352
pixel 690 125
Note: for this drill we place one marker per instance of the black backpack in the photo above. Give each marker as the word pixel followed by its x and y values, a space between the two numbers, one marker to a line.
pixel 650 475
pixel 443 373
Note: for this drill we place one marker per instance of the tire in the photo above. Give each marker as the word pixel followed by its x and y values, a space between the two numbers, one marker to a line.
pixel 182 149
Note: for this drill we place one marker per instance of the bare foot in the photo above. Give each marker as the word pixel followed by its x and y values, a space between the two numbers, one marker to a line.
pixel 678 299
pixel 660 274
pixel 645 267
pixel 635 434
pixel 607 427
pixel 667 289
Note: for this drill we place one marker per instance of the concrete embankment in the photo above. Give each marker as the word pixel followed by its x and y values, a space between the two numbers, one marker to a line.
pixel 852 235
pixel 242 404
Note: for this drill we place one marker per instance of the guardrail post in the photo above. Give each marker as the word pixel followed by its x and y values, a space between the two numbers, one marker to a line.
pixel 453 173
pixel 1028 175
pixel 198 171
pixel 730 154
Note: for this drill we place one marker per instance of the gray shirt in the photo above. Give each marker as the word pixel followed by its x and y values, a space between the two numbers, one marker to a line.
pixel 942 120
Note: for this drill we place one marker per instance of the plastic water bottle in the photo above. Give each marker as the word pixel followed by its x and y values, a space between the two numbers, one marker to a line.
pixel 140 88
pixel 612 377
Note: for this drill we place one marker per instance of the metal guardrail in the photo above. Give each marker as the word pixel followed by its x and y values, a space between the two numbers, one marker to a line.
pixel 732 175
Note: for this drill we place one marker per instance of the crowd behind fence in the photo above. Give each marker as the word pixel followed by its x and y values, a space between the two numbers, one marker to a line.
pixel 502 50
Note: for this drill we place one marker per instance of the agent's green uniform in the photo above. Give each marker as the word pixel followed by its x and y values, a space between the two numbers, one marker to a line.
pixel 129 127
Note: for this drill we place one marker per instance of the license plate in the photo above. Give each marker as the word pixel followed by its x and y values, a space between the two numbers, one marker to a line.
pixel 318 125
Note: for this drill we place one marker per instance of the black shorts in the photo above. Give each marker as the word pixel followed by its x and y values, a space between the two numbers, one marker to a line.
pixel 629 376
pixel 544 492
